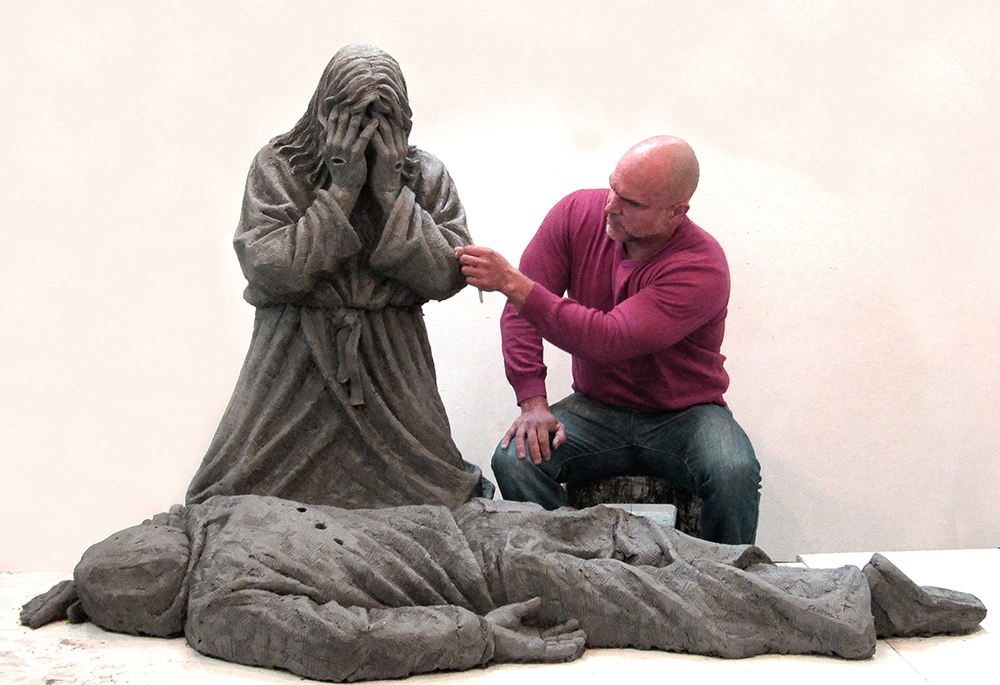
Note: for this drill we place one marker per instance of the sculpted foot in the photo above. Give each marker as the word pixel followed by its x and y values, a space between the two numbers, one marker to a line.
pixel 904 609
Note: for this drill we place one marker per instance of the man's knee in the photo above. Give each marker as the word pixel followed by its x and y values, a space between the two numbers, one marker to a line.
pixel 504 462
pixel 721 444
pixel 739 470
pixel 524 481
pixel 512 472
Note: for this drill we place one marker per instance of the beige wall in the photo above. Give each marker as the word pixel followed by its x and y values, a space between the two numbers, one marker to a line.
pixel 850 168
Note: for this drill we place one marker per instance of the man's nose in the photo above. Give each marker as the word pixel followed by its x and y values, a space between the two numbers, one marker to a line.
pixel 612 206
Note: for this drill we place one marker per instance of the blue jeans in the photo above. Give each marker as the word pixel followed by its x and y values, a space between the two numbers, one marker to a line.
pixel 700 448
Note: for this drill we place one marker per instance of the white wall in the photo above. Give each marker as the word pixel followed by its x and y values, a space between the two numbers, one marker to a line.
pixel 849 157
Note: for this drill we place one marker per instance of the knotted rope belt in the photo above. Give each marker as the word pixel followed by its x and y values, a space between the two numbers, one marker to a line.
pixel 338 329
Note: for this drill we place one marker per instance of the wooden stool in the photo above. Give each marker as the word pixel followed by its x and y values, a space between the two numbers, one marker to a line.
pixel 640 490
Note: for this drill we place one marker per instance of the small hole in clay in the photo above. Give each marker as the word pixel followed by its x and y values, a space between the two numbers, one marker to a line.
pixel 301 509
pixel 321 526
pixel 338 541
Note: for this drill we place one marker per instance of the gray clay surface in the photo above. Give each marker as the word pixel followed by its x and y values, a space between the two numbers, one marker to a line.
pixel 339 594
pixel 346 230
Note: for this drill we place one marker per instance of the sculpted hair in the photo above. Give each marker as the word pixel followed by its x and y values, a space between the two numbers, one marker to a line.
pixel 349 80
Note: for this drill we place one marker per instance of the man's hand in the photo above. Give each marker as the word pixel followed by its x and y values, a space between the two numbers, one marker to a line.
pixel 487 269
pixel 531 431
pixel 386 176
pixel 516 642
pixel 344 153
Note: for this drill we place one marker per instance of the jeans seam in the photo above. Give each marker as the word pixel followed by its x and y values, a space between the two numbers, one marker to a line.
pixel 674 455
pixel 580 456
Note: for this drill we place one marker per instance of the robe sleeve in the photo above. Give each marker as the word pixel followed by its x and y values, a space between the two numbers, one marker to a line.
pixel 417 246
pixel 289 236
pixel 332 642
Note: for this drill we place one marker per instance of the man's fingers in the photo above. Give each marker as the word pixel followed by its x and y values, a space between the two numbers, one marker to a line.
pixel 560 438
pixel 511 432
pixel 340 118
pixel 519 443
pixel 533 447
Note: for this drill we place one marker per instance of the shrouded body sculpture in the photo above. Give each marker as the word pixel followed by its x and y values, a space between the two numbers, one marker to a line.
pixel 346 230
pixel 338 594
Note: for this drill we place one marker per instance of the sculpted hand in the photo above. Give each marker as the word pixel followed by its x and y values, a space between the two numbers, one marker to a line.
pixel 344 153
pixel 487 269
pixel 390 153
pixel 50 606
pixel 531 431
pixel 516 642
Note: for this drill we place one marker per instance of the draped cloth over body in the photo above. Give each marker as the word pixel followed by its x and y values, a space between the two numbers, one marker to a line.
pixel 354 595
pixel 337 402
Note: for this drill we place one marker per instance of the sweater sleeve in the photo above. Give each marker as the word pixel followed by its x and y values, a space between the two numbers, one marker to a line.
pixel 546 260
pixel 676 301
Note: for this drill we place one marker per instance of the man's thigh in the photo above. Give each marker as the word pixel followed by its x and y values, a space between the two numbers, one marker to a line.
pixel 599 442
pixel 692 443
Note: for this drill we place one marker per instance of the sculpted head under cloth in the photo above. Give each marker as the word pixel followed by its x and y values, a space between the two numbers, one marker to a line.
pixel 136 580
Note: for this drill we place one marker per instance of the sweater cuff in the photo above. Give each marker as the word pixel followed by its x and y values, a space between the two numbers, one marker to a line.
pixel 527 388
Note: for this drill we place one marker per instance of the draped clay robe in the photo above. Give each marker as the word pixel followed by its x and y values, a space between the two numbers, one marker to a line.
pixel 337 594
pixel 337 402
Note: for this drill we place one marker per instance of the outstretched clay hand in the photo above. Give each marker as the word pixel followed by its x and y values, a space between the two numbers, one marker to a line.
pixel 516 642
pixel 60 602
pixel 344 146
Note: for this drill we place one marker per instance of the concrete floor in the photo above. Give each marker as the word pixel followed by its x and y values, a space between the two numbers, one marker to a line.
pixel 60 653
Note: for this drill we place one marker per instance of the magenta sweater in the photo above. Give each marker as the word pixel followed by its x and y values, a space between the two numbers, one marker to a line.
pixel 643 335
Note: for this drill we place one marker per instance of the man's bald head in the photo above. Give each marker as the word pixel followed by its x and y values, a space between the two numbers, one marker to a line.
pixel 669 165
pixel 650 189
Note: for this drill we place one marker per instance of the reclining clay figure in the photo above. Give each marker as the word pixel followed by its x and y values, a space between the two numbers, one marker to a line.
pixel 336 594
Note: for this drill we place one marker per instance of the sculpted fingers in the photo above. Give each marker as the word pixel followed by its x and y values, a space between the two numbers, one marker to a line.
pixel 570 626
pixel 528 607
pixel 49 606
pixel 511 615
pixel 568 647
pixel 394 139
pixel 366 134
pixel 344 153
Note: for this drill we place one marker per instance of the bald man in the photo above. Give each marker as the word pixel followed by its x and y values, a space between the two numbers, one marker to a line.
pixel 637 293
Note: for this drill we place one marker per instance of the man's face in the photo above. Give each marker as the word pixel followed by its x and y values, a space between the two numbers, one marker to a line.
pixel 638 210
pixel 635 207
